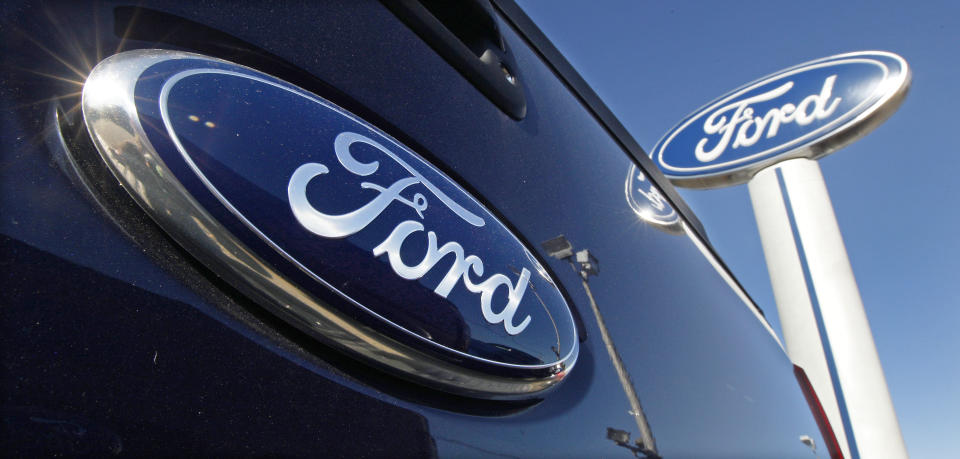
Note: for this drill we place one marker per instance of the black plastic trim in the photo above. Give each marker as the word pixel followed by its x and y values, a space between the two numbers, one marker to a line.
pixel 465 33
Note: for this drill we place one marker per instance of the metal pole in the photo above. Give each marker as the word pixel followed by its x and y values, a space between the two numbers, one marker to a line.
pixel 797 320
pixel 868 403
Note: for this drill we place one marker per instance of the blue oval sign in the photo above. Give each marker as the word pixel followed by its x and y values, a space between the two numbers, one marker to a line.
pixel 805 111
pixel 374 239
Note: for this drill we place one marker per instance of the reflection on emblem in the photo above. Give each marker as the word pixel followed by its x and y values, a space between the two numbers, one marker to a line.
pixel 806 111
pixel 648 203
pixel 330 223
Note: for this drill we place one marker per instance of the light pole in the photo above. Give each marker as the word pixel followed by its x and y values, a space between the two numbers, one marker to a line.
pixel 586 265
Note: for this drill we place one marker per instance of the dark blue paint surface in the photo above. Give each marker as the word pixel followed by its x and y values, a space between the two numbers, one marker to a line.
pixel 154 365
pixel 92 291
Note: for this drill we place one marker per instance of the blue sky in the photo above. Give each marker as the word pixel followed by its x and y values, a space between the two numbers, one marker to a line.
pixel 894 191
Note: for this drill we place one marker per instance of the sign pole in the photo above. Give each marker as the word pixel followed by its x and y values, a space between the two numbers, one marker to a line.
pixel 868 402
pixel 790 290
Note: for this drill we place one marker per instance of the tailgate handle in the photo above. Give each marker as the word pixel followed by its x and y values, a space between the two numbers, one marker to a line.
pixel 466 34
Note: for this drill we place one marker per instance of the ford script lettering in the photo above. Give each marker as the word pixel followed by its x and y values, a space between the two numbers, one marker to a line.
pixel 807 111
pixel 332 224
pixel 338 226
pixel 813 107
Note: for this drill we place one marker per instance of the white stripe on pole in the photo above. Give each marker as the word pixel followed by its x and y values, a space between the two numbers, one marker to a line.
pixel 797 320
pixel 864 387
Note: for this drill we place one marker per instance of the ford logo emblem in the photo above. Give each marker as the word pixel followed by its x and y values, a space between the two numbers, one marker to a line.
pixel 806 111
pixel 330 223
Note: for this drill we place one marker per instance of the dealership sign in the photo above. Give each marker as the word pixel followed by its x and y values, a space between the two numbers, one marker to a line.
pixel 789 120
pixel 806 111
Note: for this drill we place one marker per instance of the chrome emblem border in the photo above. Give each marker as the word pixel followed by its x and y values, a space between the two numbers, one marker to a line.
pixel 112 120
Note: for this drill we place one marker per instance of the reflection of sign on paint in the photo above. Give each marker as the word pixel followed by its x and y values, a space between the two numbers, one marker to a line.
pixel 646 200
pixel 806 111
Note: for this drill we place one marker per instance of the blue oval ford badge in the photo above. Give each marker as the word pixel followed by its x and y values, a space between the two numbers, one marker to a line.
pixel 805 111
pixel 330 222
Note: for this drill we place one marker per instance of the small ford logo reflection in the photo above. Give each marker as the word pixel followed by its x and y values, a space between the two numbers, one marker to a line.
pixel 648 202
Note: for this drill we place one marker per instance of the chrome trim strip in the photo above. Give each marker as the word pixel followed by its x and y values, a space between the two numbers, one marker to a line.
pixel 728 278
